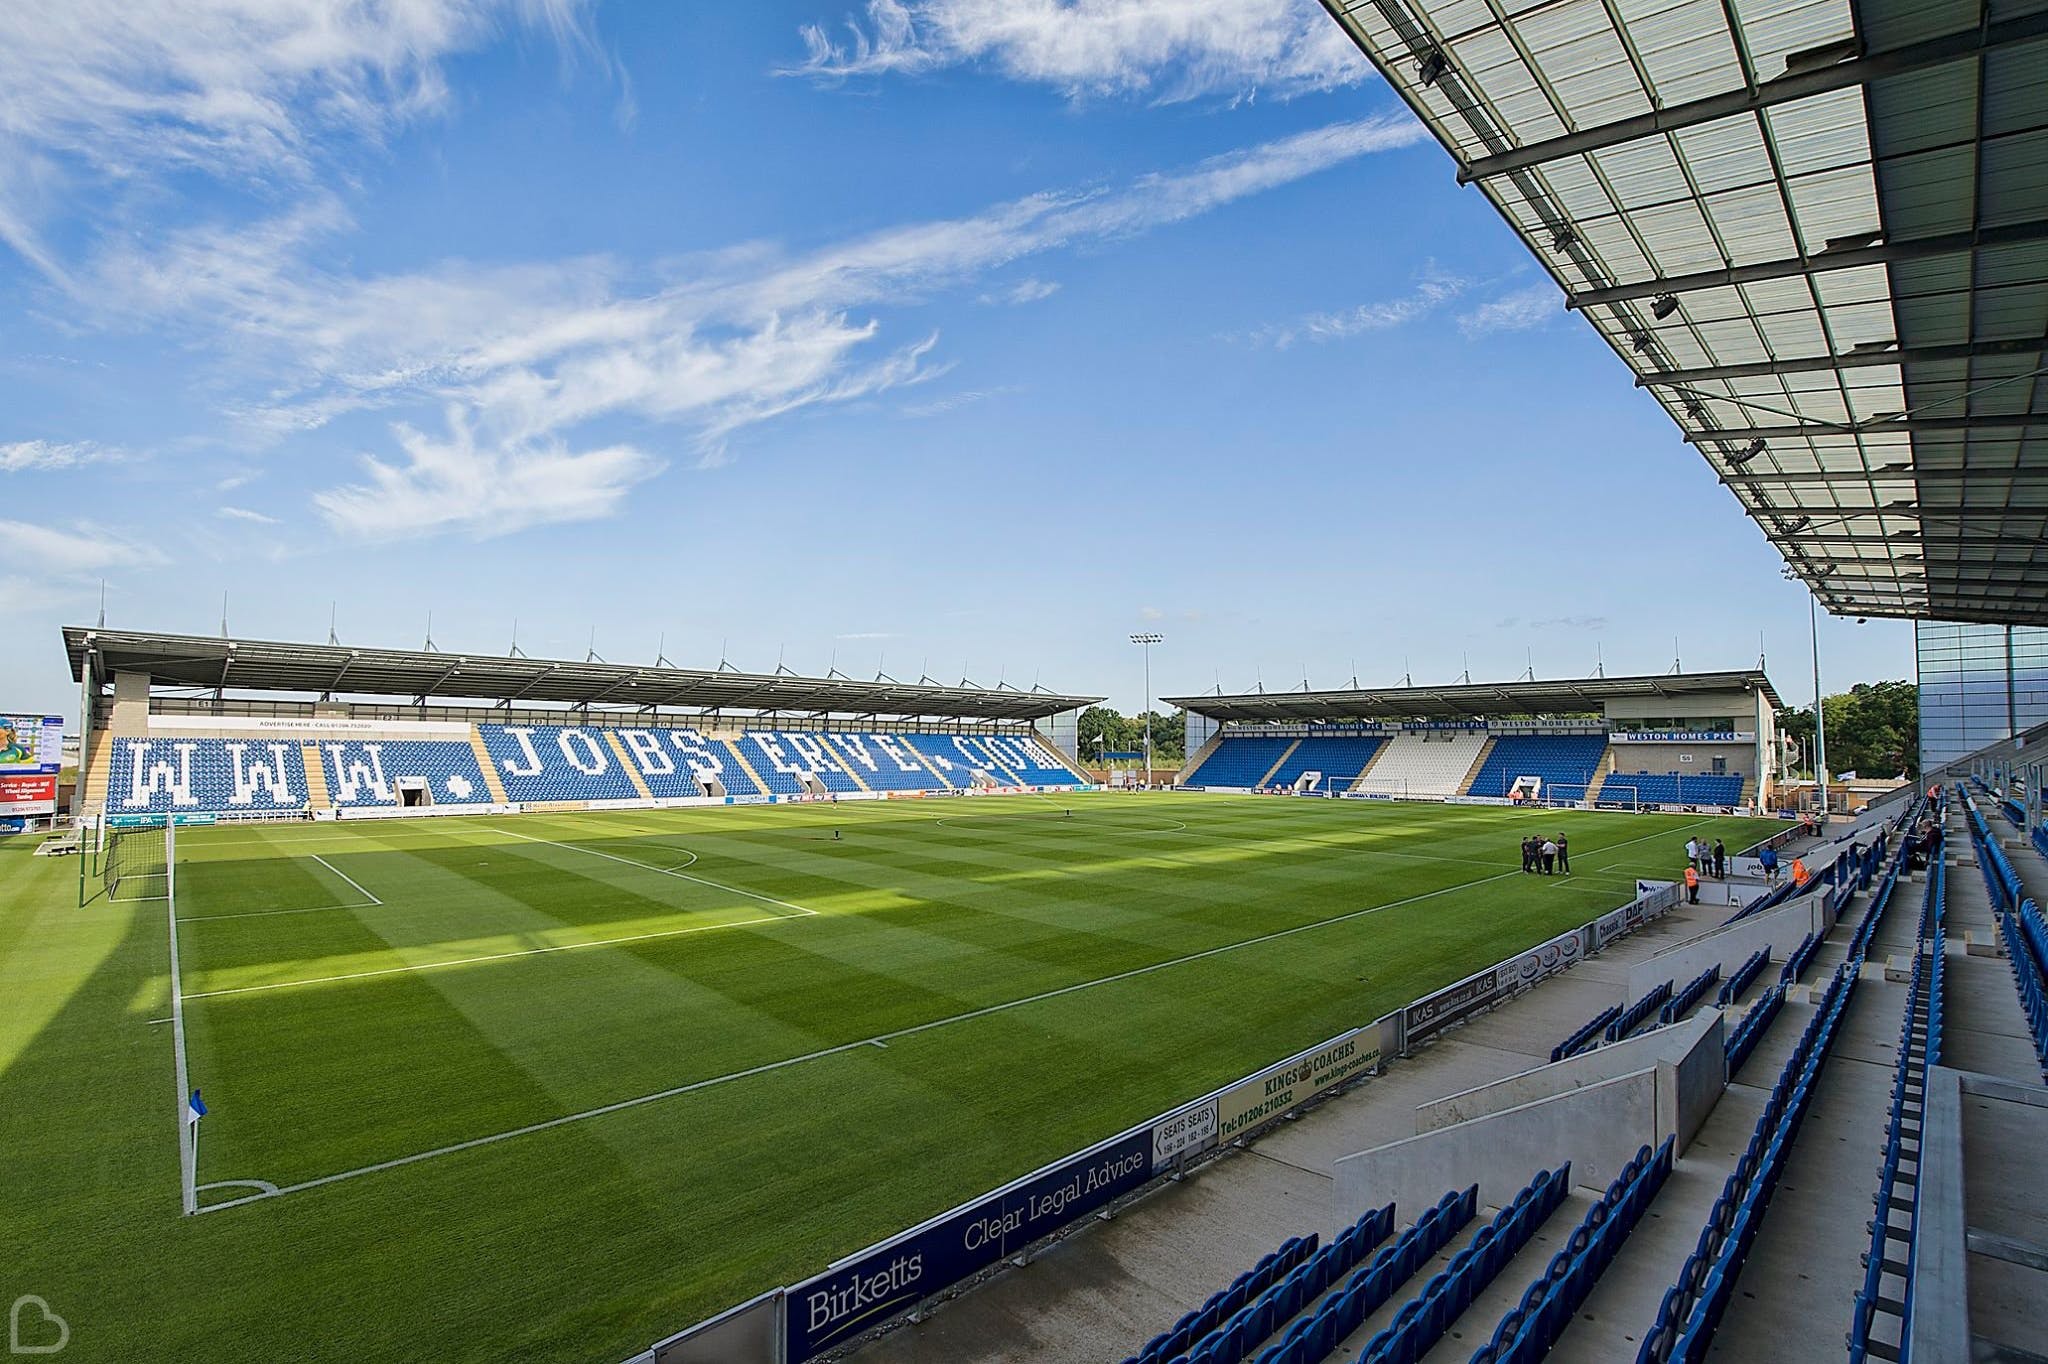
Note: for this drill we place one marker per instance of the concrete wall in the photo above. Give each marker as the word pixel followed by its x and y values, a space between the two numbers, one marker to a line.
pixel 1782 928
pixel 1598 1128
pixel 1692 1055
pixel 131 705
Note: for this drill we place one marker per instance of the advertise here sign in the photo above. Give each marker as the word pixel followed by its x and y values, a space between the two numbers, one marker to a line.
pixel 1290 1084
pixel 839 1304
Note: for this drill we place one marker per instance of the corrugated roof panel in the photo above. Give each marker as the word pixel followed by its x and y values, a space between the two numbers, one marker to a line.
pixel 1776 29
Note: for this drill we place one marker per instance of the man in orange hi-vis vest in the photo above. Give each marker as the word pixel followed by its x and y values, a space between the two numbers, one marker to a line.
pixel 1692 885
pixel 1799 871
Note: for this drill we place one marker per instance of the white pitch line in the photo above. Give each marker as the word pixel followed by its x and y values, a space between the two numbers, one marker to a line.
pixel 659 871
pixel 878 1040
pixel 346 877
pixel 265 913
pixel 491 956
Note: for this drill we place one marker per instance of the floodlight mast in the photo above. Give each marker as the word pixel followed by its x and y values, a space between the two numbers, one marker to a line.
pixel 1146 640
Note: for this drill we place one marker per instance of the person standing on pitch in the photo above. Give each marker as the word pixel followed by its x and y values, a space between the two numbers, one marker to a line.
pixel 1549 851
pixel 1528 854
pixel 1720 860
pixel 1564 855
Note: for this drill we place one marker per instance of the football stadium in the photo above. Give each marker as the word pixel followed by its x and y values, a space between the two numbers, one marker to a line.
pixel 372 1003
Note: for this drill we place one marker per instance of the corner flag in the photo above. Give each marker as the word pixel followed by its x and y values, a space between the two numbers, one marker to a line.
pixel 194 1109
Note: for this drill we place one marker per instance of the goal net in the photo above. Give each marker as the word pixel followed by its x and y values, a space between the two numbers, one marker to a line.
pixel 135 861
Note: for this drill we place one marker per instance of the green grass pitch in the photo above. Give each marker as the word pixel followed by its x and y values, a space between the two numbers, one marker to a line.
pixel 551 1087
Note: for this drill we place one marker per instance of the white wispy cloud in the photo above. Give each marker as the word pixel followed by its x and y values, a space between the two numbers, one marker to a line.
pixel 1165 49
pixel 1023 291
pixel 457 483
pixel 1431 292
pixel 953 402
pixel 526 357
pixel 84 548
pixel 1517 311
pixel 256 518
pixel 23 455
pixel 112 96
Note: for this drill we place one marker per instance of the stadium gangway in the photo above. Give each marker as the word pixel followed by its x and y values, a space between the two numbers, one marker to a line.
pixel 1424 1319
pixel 1533 1325
pixel 1919 1052
pixel 1691 1308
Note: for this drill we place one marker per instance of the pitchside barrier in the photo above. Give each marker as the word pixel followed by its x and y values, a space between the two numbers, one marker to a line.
pixel 908 1271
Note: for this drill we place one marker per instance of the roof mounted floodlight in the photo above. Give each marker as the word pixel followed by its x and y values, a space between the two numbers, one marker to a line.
pixel 1793 528
pixel 1562 238
pixel 1431 68
pixel 1746 454
pixel 1663 306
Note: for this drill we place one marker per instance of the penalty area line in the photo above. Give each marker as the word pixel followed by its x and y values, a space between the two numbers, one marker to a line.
pixel 878 1040
pixel 346 877
pixel 489 956
pixel 661 871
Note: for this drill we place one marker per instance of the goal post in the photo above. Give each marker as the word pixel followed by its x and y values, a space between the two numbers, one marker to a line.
pixel 1619 794
pixel 135 862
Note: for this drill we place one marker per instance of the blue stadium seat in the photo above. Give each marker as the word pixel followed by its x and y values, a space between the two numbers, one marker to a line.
pixel 372 773
pixel 1340 758
pixel 1239 762
pixel 190 776
pixel 556 762
pixel 1672 788
pixel 1566 763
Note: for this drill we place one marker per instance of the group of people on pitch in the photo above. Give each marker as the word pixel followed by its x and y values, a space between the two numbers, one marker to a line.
pixel 1547 855
pixel 1703 857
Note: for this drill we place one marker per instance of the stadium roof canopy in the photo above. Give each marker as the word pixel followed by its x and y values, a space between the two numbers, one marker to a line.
pixel 324 669
pixel 1817 232
pixel 1468 700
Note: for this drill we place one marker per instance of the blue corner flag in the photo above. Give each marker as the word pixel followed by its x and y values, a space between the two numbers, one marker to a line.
pixel 194 1109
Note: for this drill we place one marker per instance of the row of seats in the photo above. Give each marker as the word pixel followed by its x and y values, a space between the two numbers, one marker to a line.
pixel 1224 1303
pixel 1239 762
pixel 1340 758
pixel 1426 762
pixel 1751 1029
pixel 1919 1051
pixel 2023 929
pixel 2000 879
pixel 1671 788
pixel 1374 1284
pixel 1258 1319
pixel 1682 1000
pixel 1566 764
pixel 1802 957
pixel 1588 1033
pixel 1743 977
pixel 537 763
pixel 1423 1319
pixel 2026 949
pixel 1691 1308
pixel 373 773
pixel 1533 1325
pixel 1632 1017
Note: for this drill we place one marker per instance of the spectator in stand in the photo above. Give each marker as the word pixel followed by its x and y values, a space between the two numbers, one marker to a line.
pixel 1549 852
pixel 1720 860
pixel 1564 855
pixel 1692 885
pixel 1767 858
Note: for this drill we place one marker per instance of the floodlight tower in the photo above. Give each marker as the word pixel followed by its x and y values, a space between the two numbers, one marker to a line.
pixel 1146 640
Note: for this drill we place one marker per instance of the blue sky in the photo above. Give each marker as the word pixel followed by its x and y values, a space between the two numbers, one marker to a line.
pixel 947 337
